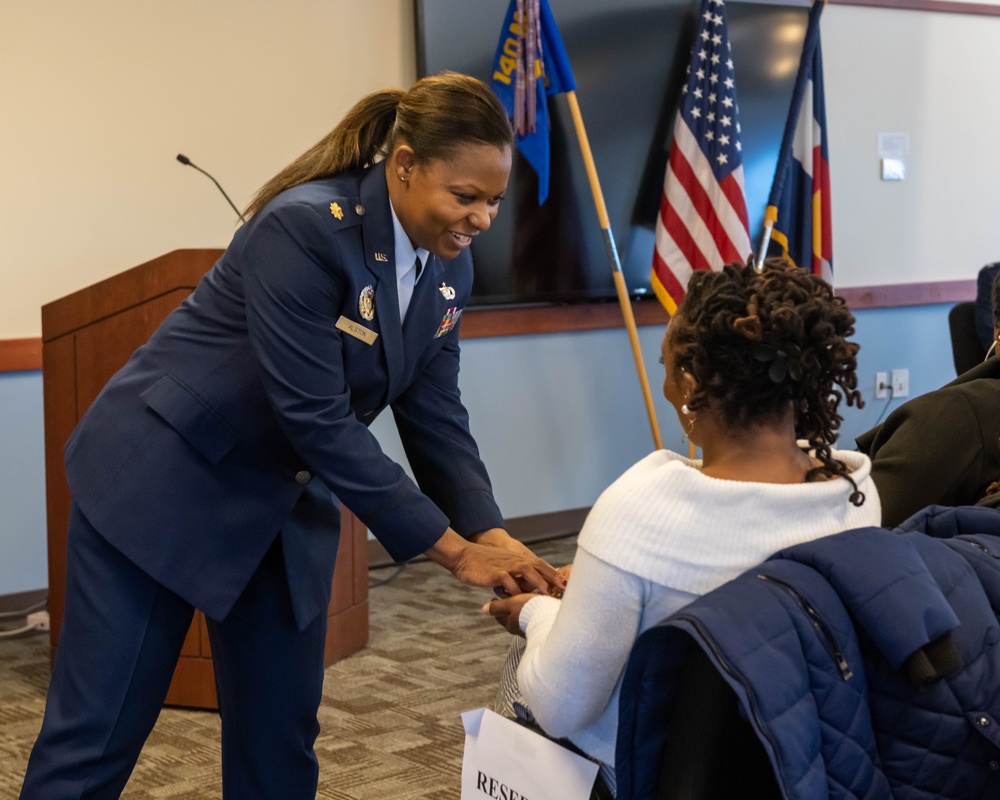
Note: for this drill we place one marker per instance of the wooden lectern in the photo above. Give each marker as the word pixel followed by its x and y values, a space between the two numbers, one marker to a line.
pixel 86 338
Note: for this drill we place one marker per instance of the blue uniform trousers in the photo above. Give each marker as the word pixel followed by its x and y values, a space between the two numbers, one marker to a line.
pixel 121 635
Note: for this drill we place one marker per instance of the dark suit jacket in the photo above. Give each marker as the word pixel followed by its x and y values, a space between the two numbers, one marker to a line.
pixel 942 448
pixel 246 413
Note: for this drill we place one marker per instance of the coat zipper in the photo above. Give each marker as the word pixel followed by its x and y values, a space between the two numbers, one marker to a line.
pixel 980 546
pixel 758 722
pixel 829 640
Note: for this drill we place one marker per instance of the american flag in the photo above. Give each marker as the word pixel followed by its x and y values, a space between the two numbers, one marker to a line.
pixel 703 216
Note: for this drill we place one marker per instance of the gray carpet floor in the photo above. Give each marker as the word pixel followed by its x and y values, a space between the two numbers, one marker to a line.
pixel 390 715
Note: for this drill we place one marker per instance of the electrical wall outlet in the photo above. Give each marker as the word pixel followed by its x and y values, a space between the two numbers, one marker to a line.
pixel 900 383
pixel 881 385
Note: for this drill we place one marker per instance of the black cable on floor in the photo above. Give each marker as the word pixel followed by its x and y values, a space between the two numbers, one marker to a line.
pixel 396 572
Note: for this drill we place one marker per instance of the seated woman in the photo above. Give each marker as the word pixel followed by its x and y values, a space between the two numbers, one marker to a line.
pixel 943 447
pixel 754 364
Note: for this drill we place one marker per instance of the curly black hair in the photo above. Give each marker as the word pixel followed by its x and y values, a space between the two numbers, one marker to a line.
pixel 757 341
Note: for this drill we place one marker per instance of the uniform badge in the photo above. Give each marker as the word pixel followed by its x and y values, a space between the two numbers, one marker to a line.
pixel 381 256
pixel 446 291
pixel 449 321
pixel 366 303
pixel 336 210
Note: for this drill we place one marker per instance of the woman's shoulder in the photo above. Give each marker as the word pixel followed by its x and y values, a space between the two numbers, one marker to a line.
pixel 660 465
pixel 654 477
pixel 315 212
pixel 337 196
pixel 858 464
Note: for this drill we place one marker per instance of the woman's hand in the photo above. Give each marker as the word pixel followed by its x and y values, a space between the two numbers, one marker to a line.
pixel 507 611
pixel 507 570
pixel 498 537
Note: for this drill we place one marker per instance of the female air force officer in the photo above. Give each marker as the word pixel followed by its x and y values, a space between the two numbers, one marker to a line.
pixel 207 473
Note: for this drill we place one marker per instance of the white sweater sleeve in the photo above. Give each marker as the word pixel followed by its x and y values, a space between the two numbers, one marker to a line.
pixel 577 647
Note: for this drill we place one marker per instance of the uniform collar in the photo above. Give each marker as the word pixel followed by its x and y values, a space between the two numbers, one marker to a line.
pixel 406 254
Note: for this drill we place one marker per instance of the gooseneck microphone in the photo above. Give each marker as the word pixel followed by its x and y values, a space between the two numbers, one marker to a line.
pixel 187 162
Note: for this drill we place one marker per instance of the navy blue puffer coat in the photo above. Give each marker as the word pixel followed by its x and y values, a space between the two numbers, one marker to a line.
pixel 867 663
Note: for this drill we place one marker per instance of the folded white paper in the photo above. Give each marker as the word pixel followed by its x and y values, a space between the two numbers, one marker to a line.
pixel 507 761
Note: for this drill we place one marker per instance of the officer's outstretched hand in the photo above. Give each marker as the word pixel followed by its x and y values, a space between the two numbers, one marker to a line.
pixel 498 537
pixel 507 570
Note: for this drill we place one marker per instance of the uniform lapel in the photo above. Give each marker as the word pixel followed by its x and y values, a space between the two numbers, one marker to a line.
pixel 380 258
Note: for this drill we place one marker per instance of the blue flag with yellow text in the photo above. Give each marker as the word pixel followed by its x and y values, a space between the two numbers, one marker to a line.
pixel 552 69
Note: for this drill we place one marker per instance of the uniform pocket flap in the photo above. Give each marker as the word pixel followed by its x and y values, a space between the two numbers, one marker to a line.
pixel 186 413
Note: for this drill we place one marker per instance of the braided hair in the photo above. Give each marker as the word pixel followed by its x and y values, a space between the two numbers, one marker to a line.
pixel 755 342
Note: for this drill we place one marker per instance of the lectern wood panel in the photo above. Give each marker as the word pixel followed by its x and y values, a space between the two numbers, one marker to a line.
pixel 87 337
pixel 103 348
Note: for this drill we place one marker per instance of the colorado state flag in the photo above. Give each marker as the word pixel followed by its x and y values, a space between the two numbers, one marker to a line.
pixel 799 205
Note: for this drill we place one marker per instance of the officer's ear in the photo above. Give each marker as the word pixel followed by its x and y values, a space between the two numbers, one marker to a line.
pixel 402 161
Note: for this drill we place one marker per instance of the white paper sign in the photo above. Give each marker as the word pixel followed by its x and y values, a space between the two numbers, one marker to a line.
pixel 507 761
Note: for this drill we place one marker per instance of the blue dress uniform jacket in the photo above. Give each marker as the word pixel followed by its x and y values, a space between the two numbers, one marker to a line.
pixel 246 413
pixel 867 662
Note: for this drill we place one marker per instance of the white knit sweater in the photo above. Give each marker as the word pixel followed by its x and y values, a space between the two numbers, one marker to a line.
pixel 658 537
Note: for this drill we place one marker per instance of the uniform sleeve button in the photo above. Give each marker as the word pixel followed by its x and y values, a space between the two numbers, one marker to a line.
pixel 302 477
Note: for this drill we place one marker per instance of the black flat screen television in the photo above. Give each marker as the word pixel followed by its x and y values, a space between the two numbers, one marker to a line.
pixel 628 58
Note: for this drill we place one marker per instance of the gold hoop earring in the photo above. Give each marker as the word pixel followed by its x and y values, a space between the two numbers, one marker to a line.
pixel 992 348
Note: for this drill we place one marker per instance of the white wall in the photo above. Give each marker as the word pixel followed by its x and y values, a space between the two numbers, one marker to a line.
pixel 98 98
pixel 933 76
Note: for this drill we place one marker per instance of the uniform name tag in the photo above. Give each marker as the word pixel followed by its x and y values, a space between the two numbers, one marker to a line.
pixel 357 331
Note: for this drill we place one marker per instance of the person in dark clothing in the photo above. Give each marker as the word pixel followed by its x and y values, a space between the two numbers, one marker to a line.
pixel 943 447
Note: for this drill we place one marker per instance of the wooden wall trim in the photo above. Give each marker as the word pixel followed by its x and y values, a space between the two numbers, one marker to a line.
pixel 926 5
pixel 18 355
pixel 908 294
pixel 483 322
pixel 480 323
pixel 477 323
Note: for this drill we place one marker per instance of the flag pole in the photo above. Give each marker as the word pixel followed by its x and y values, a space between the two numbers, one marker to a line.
pixel 616 267
pixel 770 217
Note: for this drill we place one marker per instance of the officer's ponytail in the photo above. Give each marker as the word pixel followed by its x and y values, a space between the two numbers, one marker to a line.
pixel 357 141
pixel 438 114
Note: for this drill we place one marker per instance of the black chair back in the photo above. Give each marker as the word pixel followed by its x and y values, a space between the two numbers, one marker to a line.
pixel 966 348
pixel 681 735
pixel 713 752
